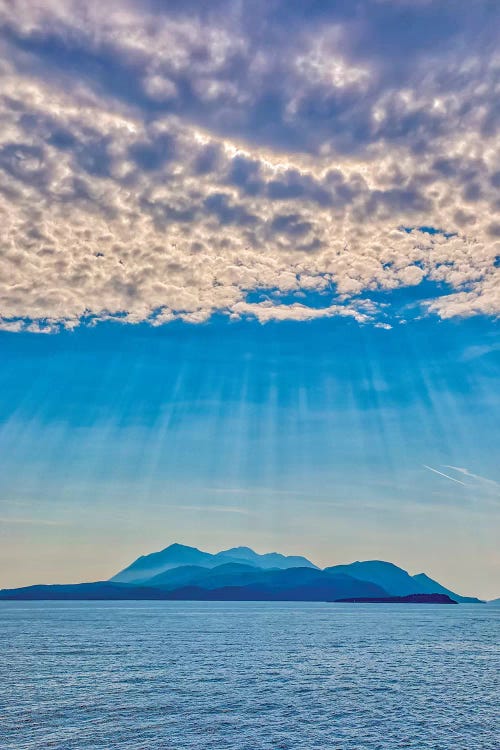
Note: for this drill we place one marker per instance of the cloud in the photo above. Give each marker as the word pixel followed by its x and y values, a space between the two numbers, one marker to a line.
pixel 167 160
pixel 266 311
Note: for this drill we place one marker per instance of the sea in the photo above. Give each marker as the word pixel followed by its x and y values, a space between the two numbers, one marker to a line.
pixel 248 676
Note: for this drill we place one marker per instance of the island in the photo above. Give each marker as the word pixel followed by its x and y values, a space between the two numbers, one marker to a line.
pixel 410 599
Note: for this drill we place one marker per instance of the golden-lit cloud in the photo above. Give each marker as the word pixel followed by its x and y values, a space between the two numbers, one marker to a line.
pixel 175 162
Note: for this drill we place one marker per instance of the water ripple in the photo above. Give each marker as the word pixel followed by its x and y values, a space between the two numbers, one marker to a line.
pixel 248 676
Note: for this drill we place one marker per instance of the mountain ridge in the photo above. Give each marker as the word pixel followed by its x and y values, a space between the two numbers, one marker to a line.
pixel 146 566
pixel 241 574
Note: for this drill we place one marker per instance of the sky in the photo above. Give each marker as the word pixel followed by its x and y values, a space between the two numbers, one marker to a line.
pixel 250 283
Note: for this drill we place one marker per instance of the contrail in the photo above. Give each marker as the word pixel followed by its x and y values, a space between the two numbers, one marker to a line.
pixel 442 474
pixel 470 474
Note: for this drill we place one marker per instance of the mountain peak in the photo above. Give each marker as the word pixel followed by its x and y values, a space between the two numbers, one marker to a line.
pixel 266 560
pixel 392 578
pixel 172 556
pixel 246 550
pixel 176 547
pixel 379 563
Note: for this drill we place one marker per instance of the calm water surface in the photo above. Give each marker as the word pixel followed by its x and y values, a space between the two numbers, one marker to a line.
pixel 248 676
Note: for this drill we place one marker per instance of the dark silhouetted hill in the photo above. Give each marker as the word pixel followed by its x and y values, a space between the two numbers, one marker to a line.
pixel 428 586
pixel 287 588
pixel 411 599
pixel 98 591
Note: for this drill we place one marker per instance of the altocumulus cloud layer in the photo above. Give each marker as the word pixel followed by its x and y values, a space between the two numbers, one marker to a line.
pixel 164 160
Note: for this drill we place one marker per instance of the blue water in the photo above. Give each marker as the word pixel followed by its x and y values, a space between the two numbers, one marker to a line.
pixel 248 676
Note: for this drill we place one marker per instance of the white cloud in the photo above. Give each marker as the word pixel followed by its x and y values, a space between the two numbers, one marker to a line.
pixel 268 310
pixel 160 163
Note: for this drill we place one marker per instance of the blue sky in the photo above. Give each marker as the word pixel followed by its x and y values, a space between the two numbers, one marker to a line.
pixel 249 282
pixel 303 437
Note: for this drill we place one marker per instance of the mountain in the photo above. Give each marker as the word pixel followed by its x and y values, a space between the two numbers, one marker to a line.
pixel 385 576
pixel 495 602
pixel 294 584
pixel 239 573
pixel 268 560
pixel 236 576
pixel 396 581
pixel 100 591
pixel 428 586
pixel 284 586
pixel 176 555
pixel 195 575
pixel 173 556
